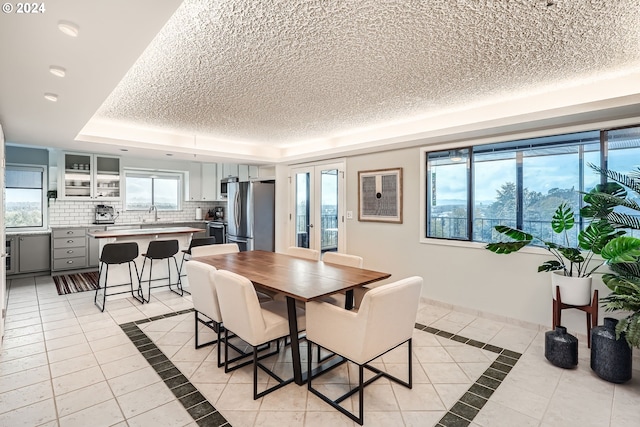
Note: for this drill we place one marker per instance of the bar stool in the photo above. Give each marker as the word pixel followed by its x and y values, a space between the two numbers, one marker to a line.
pixel 159 250
pixel 203 241
pixel 115 254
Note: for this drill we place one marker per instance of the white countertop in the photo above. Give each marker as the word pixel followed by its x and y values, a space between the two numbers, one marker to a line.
pixel 143 232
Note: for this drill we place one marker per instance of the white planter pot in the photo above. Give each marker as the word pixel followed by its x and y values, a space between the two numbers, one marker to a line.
pixel 573 290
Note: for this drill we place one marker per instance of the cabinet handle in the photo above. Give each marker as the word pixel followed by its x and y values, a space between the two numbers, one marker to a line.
pixel 69 241
pixel 69 232
pixel 69 262
pixel 70 252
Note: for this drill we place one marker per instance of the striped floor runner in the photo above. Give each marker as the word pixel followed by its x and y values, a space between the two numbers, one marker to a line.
pixel 77 282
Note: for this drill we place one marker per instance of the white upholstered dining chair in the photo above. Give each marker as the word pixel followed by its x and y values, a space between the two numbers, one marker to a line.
pixel 255 323
pixel 343 259
pixel 218 249
pixel 306 253
pixel 207 312
pixel 385 320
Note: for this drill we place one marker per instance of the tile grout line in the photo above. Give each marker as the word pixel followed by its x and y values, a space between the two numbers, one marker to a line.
pixel 204 413
pixel 198 407
pixel 469 405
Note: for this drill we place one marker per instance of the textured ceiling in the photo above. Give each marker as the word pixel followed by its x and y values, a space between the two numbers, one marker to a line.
pixel 283 72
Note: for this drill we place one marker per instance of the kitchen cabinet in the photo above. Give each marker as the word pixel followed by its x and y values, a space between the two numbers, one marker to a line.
pixel 88 177
pixel 203 182
pixel 28 253
pixel 12 255
pixel 34 253
pixel 93 247
pixel 228 169
pixel 209 181
pixel 194 187
pixel 247 172
pixel 69 248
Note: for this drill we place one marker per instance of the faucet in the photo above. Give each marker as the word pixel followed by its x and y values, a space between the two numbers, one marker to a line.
pixel 155 212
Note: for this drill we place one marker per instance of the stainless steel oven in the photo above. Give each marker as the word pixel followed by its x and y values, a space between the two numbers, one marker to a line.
pixel 218 230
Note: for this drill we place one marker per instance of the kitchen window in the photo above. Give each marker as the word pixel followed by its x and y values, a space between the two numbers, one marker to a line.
pixel 25 197
pixel 519 183
pixel 145 189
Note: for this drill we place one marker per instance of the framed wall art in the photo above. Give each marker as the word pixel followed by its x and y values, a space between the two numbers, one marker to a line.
pixel 380 195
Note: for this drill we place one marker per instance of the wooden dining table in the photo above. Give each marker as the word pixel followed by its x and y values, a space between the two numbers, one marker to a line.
pixel 297 279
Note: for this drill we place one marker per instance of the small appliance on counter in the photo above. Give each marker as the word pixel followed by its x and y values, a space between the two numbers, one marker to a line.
pixel 104 215
pixel 218 213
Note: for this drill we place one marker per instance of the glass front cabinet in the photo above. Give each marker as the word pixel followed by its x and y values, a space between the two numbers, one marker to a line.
pixel 89 177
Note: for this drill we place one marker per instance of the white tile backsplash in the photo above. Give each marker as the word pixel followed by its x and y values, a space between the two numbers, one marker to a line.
pixel 80 213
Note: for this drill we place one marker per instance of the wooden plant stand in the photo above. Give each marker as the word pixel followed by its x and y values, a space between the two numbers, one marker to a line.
pixel 590 309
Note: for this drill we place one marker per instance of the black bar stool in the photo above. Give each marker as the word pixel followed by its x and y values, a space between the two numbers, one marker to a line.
pixel 158 250
pixel 112 254
pixel 202 241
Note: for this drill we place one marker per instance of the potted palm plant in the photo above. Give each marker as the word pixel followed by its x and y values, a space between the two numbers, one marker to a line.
pixel 622 254
pixel 571 266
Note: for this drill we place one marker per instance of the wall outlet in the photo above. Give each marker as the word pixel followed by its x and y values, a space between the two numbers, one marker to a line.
pixel 349 214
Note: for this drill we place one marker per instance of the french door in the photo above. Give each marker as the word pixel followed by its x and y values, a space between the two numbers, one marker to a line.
pixel 317 198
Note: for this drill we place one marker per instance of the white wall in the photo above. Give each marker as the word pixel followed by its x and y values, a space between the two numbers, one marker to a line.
pixel 468 277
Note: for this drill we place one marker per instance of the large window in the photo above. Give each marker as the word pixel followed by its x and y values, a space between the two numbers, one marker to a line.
pixel 24 197
pixel 146 189
pixel 519 183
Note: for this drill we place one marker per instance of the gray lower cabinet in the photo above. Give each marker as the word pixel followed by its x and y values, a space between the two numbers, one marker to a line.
pixel 93 247
pixel 34 253
pixel 73 249
pixel 28 253
pixel 69 248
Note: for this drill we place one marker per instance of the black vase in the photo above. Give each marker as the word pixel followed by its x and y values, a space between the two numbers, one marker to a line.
pixel 561 348
pixel 610 358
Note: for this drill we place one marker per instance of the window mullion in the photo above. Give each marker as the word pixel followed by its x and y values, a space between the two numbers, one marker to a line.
pixel 519 191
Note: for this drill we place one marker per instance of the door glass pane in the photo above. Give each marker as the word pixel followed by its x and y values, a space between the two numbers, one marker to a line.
pixel 448 194
pixel 329 210
pixel 302 209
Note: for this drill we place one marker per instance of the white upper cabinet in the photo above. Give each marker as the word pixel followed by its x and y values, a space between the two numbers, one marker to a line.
pixel 229 169
pixel 89 177
pixel 209 182
pixel 247 172
pixel 203 182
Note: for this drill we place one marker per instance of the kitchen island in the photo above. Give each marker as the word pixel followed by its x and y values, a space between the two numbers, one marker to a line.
pixel 119 274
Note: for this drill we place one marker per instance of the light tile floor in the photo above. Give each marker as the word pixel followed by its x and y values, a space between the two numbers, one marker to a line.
pixel 64 363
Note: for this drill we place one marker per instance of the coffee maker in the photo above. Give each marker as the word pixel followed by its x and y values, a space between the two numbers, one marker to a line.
pixel 218 213
pixel 104 214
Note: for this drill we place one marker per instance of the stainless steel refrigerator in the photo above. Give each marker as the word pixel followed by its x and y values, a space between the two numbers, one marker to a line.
pixel 251 215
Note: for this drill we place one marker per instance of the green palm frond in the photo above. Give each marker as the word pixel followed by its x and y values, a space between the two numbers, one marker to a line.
pixel 601 200
pixel 622 220
pixel 626 269
pixel 630 180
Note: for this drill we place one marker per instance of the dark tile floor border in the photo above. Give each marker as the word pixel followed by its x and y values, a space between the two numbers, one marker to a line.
pixel 461 414
pixel 200 409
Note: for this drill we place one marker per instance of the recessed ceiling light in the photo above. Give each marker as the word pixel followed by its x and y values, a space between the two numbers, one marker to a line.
pixel 68 28
pixel 51 97
pixel 57 71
